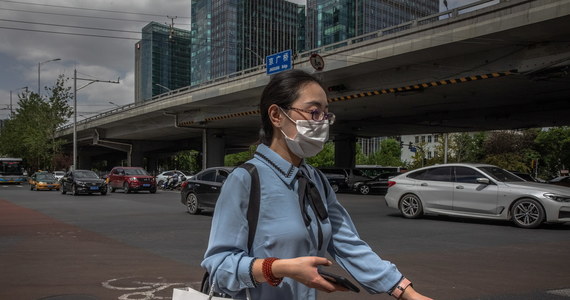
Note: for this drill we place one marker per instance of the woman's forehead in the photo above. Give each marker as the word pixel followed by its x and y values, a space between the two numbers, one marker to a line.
pixel 312 94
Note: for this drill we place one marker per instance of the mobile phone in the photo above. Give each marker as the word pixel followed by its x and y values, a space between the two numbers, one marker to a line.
pixel 337 279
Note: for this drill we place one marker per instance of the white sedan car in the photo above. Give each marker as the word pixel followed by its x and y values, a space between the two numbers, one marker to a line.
pixel 478 191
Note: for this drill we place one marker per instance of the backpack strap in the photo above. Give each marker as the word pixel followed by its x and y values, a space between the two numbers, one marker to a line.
pixel 254 202
pixel 252 216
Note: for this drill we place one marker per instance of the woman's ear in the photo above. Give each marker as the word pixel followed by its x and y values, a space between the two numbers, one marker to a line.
pixel 275 115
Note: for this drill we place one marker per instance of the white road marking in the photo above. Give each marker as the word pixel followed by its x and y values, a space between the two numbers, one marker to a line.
pixel 563 292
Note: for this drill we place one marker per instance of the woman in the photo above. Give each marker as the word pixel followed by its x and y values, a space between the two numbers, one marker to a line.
pixel 293 235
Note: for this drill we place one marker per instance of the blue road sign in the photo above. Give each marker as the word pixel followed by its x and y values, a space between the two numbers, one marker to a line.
pixel 279 62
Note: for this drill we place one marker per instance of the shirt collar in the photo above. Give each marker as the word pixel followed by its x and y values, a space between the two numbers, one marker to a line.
pixel 283 168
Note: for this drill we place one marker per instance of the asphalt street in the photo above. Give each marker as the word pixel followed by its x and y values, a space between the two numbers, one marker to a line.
pixel 141 245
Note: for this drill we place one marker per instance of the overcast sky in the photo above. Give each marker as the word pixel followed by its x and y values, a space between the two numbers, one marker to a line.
pixel 102 58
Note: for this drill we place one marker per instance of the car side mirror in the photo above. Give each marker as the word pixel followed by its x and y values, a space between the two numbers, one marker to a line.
pixel 483 180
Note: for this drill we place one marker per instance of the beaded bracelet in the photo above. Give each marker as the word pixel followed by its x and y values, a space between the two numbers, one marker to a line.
pixel 266 267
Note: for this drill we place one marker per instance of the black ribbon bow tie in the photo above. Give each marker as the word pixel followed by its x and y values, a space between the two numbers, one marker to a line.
pixel 308 192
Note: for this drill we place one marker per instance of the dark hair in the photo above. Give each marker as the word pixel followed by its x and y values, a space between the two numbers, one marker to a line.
pixel 283 90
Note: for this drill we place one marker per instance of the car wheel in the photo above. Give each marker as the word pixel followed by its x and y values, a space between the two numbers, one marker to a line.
pixel 31 187
pixel 73 190
pixel 112 189
pixel 152 191
pixel 527 213
pixel 335 187
pixel 63 192
pixel 126 188
pixel 103 192
pixel 160 183
pixel 364 189
pixel 192 204
pixel 411 206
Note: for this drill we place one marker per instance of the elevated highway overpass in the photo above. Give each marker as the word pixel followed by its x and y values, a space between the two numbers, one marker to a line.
pixel 502 66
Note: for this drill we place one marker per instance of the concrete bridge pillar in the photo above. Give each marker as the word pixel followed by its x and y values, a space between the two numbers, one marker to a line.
pixel 213 148
pixel 84 162
pixel 345 151
pixel 136 156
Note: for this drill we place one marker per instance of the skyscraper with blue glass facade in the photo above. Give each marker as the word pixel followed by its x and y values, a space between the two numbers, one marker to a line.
pixel 331 21
pixel 233 35
pixel 162 61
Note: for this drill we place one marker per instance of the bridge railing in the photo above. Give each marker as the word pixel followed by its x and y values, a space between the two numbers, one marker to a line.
pixel 330 47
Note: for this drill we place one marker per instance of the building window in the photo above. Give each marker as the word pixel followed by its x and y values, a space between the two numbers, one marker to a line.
pixel 423 138
pixel 429 138
pixel 429 154
pixel 417 139
pixel 435 138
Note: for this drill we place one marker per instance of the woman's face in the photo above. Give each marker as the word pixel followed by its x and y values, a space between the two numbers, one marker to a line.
pixel 311 97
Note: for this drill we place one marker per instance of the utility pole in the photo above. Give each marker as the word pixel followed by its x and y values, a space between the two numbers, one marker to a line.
pixel 75 89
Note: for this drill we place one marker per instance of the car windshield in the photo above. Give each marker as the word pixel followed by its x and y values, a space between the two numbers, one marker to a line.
pixel 135 172
pixel 42 177
pixel 500 174
pixel 59 173
pixel 85 174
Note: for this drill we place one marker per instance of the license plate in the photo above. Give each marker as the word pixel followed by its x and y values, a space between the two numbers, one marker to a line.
pixel 49 186
pixel 94 188
pixel 146 184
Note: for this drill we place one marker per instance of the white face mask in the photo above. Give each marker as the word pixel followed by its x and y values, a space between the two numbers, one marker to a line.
pixel 310 139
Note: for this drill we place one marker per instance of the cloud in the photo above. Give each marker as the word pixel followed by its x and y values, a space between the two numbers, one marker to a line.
pixel 98 57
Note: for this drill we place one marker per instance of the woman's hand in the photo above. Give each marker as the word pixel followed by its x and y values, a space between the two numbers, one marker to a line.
pixel 304 270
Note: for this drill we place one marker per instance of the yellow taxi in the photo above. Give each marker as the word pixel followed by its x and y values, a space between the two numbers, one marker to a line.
pixel 43 181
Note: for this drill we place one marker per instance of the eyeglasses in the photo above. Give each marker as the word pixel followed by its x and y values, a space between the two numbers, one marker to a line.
pixel 317 114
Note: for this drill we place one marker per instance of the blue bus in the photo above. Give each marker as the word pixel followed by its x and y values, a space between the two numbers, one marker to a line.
pixel 12 170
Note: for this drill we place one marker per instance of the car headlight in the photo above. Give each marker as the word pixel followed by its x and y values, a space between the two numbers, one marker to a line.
pixel 133 179
pixel 557 197
pixel 80 183
pixel 41 183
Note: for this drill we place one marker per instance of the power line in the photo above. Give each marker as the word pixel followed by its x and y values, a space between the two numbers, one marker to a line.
pixel 88 9
pixel 71 26
pixel 71 33
pixel 79 16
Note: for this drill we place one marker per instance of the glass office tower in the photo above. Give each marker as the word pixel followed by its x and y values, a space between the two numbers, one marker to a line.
pixel 233 35
pixel 162 61
pixel 330 21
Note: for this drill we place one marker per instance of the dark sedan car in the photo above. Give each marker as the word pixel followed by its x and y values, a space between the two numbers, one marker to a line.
pixel 83 182
pixel 562 180
pixel 378 184
pixel 202 190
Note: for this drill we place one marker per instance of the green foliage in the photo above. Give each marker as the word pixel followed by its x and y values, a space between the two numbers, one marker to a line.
pixel 388 155
pixel 30 134
pixel 553 146
pixel 188 160
pixel 236 159
pixel 325 158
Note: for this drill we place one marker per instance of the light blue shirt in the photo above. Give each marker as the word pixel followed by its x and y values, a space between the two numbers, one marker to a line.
pixel 281 233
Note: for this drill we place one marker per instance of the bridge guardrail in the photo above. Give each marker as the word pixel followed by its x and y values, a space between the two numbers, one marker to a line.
pixel 354 40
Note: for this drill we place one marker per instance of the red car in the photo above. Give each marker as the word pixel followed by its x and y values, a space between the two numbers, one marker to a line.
pixel 131 179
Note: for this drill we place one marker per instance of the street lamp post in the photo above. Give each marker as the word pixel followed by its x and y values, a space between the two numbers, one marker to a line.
pixel 75 89
pixel 162 86
pixel 39 64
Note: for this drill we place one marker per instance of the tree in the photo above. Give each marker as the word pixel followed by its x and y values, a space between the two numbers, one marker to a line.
pixel 236 159
pixel 389 154
pixel 553 145
pixel 325 158
pixel 510 149
pixel 30 134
